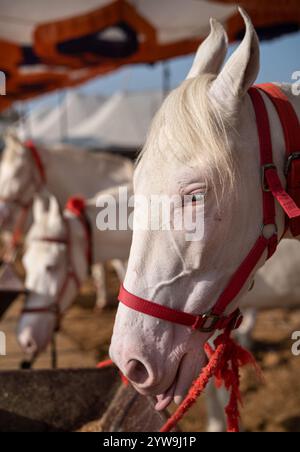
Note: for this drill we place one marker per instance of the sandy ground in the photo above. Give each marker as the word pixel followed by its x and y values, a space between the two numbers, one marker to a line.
pixel 271 406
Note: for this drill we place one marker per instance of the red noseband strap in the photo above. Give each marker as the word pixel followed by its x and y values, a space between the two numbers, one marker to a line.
pixel 205 323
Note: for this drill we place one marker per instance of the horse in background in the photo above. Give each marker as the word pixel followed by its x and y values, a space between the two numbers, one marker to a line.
pixel 64 245
pixel 62 170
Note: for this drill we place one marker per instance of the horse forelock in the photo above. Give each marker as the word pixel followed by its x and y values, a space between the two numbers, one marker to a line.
pixel 195 131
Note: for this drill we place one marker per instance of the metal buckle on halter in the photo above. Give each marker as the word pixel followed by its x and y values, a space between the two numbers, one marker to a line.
pixel 236 320
pixel 206 323
pixel 265 226
pixel 264 183
pixel 290 160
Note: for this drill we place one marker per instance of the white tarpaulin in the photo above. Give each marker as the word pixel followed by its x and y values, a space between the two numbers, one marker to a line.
pixel 48 124
pixel 122 121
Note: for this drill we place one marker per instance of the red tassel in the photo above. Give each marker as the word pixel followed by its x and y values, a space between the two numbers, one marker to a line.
pixel 106 363
pixel 76 205
pixel 224 363
pixel 109 363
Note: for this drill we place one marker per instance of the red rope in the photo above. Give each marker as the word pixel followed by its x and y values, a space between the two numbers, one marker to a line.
pixel 109 363
pixel 18 230
pixel 11 249
pixel 224 363
pixel 104 364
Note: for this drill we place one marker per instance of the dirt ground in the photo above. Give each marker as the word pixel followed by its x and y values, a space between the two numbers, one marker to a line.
pixel 270 406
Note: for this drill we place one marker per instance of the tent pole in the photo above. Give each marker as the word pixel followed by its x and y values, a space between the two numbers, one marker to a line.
pixel 29 124
pixel 166 78
pixel 24 124
pixel 66 117
pixel 63 115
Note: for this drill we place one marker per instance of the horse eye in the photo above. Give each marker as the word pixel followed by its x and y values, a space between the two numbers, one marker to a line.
pixel 50 268
pixel 197 197
pixel 193 199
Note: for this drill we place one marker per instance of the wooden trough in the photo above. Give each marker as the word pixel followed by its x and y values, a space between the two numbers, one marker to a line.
pixel 11 286
pixel 86 400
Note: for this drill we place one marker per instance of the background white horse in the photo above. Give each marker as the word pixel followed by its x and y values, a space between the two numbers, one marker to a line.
pixel 277 284
pixel 69 171
pixel 47 264
pixel 203 142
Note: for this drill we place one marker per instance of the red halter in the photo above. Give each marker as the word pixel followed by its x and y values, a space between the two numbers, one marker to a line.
pixel 37 160
pixel 226 351
pixel 76 206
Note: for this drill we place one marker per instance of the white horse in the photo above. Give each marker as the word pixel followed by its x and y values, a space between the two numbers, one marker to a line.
pixel 203 143
pixel 68 171
pixel 56 265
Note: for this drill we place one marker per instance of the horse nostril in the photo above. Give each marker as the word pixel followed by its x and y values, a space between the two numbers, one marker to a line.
pixel 30 346
pixel 136 372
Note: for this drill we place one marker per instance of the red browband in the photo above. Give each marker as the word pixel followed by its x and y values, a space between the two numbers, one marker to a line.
pixel 271 189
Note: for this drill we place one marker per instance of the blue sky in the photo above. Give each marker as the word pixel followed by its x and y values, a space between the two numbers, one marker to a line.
pixel 279 59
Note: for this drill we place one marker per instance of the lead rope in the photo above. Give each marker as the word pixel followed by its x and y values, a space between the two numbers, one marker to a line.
pixel 225 360
pixel 18 230
pixel 12 249
pixel 110 363
pixel 224 364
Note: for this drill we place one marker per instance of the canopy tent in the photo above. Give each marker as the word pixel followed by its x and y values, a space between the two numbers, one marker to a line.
pixel 28 124
pixel 122 122
pixel 48 124
pixel 53 44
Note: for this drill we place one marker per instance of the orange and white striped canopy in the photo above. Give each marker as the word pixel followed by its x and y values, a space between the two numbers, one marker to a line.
pixel 51 44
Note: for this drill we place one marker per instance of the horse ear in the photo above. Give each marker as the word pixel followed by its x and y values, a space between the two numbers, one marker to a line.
pixel 240 71
pixel 211 53
pixel 39 208
pixel 11 140
pixel 54 209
